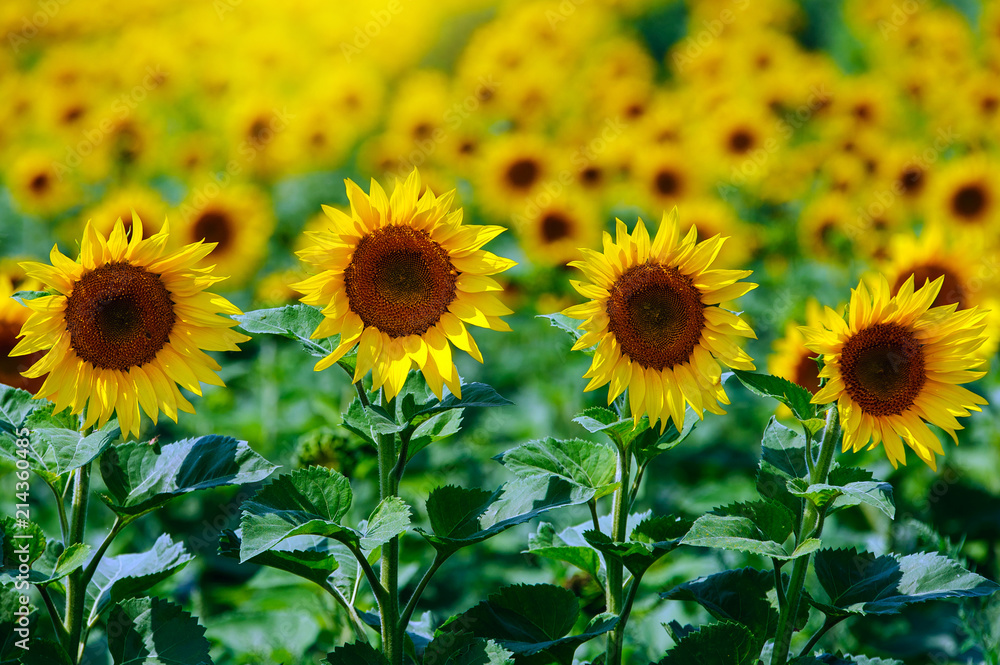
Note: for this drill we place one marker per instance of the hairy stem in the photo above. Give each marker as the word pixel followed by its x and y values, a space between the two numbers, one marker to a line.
pixel 392 638
pixel 76 585
pixel 827 625
pixel 356 623
pixel 810 527
pixel 411 604
pixel 619 524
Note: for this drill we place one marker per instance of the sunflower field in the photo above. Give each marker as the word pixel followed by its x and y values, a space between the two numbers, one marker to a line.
pixel 500 332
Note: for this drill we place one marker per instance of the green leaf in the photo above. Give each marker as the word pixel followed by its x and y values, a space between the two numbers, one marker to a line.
pixel 738 596
pixel 272 635
pixel 861 583
pixel 794 396
pixel 141 477
pixel 461 517
pixel 20 539
pixel 760 527
pixel 873 493
pixel 650 443
pixel 564 323
pixel 57 562
pixel 584 463
pixel 437 427
pixel 390 519
pixel 530 620
pixel 65 450
pixel 359 653
pixel 296 322
pixel 645 442
pixel 650 540
pixel 567 546
pixel 473 395
pixel 783 451
pixel 23 297
pixel 309 501
pixel 45 652
pixel 153 631
pixel 311 557
pixel 15 406
pixel 118 578
pixel 718 644
pixel 841 659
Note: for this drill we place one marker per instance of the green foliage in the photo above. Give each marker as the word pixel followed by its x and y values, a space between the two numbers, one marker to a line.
pixel 584 463
pixel 141 477
pixel 824 495
pixel 359 653
pixel 531 620
pixel 651 539
pixel 296 322
pixel 57 562
pixel 311 557
pixel 568 546
pixel 564 323
pixel 153 631
pixel 721 643
pixel 760 527
pixel 14 535
pixel 860 583
pixel 794 396
pixel 15 406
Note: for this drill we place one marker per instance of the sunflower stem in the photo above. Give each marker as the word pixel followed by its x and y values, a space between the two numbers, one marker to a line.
pixel 76 584
pixel 392 642
pixel 810 526
pixel 619 525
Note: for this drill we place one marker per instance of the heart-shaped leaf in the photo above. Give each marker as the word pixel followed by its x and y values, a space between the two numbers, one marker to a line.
pixel 153 631
pixel 760 527
pixel 584 463
pixel 792 395
pixel 738 596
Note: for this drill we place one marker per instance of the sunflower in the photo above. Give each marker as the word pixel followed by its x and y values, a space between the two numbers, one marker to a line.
pixel 792 359
pixel 126 321
pixel 119 204
pixel 895 365
pixel 966 192
pixel 12 316
pixel 654 316
pixel 551 234
pixel 400 278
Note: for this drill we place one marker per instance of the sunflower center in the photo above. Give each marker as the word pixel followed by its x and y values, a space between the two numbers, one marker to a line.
pixel 40 183
pixel 911 179
pixel 119 316
pixel 951 288
pixel 656 314
pixel 807 373
pixel 883 369
pixel 667 183
pixel 740 141
pixel 555 227
pixel 214 226
pixel 969 201
pixel 400 281
pixel 522 173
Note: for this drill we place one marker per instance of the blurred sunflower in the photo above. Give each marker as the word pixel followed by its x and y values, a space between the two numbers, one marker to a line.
pixel 400 279
pixel 966 191
pixel 12 316
pixel 512 169
pixel 895 365
pixel 38 183
pixel 551 234
pixel 654 316
pixel 237 219
pixel 146 202
pixel 127 323
pixel 792 359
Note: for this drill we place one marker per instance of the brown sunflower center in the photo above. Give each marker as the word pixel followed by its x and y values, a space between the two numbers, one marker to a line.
pixel 911 179
pixel 807 373
pixel 11 367
pixel 969 201
pixel 522 173
pixel 40 183
pixel 667 182
pixel 119 316
pixel 883 369
pixel 951 288
pixel 656 315
pixel 555 227
pixel 400 281
pixel 214 226
pixel 740 141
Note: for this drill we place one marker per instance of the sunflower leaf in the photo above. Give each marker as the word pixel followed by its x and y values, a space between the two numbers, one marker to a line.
pixel 56 562
pixel 473 394
pixel 310 557
pixel 860 583
pixel 567 546
pixel 739 596
pixel 455 648
pixel 295 322
pixel 724 643
pixel 649 443
pixel 759 527
pixel 309 501
pixel 15 406
pixel 650 540
pixel 358 653
pixel 118 578
pixel 584 463
pixel 22 297
pixel 156 631
pixel 141 477
pixel 530 619
pixel 437 427
pixel 873 493
pixel 792 395
pixel 564 323
pixel 65 450
pixel 44 652
pixel 461 517
pixel 19 538
pixel 842 659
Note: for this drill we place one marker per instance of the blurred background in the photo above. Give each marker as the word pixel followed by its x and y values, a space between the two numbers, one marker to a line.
pixel 829 139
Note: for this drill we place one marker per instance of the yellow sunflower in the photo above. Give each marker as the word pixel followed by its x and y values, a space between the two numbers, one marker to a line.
pixel 895 365
pixel 400 278
pixel 655 320
pixel 127 322
pixel 12 316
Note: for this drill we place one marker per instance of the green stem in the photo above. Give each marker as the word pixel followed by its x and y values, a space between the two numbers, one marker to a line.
pixel 619 524
pixel 392 638
pixel 411 604
pixel 827 625
pixel 635 485
pixel 356 622
pixel 61 509
pixel 811 526
pixel 50 606
pixel 76 586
